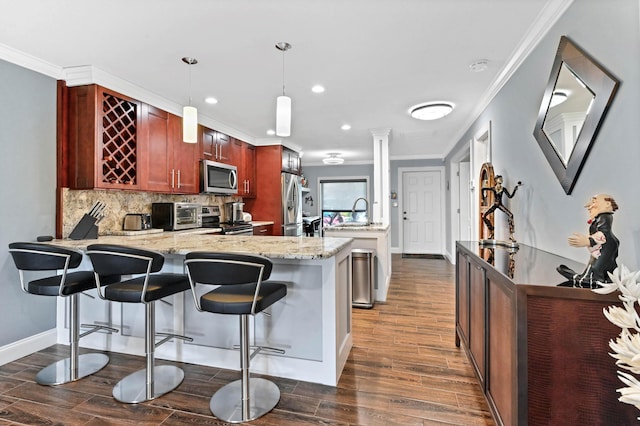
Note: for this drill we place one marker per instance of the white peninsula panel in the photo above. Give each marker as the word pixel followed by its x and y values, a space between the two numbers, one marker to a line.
pixel 370 237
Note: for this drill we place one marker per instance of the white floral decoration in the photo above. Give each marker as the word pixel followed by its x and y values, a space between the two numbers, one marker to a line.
pixel 626 347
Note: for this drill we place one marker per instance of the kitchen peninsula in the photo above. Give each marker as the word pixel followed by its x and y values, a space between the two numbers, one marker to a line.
pixel 373 236
pixel 312 324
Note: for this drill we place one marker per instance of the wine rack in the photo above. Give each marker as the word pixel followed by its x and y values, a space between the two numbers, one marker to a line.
pixel 119 140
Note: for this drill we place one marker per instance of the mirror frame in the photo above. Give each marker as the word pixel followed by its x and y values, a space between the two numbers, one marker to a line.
pixel 602 84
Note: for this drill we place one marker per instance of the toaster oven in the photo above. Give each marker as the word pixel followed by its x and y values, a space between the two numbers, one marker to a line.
pixel 176 216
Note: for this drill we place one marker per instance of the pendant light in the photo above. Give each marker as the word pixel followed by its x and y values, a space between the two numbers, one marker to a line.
pixel 189 113
pixel 283 103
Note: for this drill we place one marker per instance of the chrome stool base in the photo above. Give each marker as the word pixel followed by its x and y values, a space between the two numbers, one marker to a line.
pixel 133 388
pixel 226 403
pixel 59 372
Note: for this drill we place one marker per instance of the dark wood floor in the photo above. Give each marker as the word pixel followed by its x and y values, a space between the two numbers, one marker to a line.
pixel 404 369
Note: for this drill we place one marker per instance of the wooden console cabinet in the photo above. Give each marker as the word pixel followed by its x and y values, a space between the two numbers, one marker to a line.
pixel 540 352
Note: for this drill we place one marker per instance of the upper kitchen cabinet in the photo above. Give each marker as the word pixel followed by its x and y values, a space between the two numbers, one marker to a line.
pixel 290 161
pixel 170 165
pixel 100 138
pixel 245 160
pixel 111 141
pixel 216 146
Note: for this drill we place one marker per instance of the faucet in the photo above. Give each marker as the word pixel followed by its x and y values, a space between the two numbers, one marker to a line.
pixel 353 209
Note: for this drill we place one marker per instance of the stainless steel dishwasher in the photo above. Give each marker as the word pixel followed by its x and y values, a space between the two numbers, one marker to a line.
pixel 363 278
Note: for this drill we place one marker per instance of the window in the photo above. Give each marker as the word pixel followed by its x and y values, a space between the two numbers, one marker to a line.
pixel 337 197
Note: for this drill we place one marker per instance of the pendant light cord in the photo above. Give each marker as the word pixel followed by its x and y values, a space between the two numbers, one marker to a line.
pixel 283 72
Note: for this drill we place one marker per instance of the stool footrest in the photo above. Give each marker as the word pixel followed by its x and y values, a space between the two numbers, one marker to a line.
pixel 257 349
pixel 169 336
pixel 95 327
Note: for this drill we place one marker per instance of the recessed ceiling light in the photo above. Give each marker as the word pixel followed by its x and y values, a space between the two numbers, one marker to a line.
pixel 431 110
pixel 317 89
pixel 271 132
pixel 211 100
pixel 345 127
pixel 479 65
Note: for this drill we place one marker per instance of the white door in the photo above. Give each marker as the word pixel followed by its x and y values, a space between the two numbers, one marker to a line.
pixel 422 226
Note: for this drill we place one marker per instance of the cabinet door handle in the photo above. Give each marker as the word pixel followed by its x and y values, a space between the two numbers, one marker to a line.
pixel 178 178
pixel 216 157
pixel 248 187
pixel 173 178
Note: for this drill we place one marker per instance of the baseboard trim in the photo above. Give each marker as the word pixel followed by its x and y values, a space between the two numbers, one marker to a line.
pixel 27 346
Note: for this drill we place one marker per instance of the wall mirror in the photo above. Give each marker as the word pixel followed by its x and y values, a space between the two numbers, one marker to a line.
pixel 578 94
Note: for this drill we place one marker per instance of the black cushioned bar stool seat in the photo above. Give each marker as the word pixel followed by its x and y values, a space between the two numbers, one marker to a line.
pixel 244 291
pixel 47 257
pixel 153 381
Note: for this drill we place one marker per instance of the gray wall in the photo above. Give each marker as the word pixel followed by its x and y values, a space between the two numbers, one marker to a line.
pixel 312 173
pixel 28 172
pixel 545 216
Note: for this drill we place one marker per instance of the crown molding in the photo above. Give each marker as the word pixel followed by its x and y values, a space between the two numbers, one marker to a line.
pixel 545 20
pixel 30 62
pixel 88 74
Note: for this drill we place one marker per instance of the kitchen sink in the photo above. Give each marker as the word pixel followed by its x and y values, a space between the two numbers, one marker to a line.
pixel 350 224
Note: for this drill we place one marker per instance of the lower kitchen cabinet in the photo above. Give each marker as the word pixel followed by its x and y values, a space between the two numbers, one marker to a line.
pixel 262 230
pixel 540 352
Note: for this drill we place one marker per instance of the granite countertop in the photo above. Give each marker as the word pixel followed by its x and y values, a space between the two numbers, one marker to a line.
pixel 255 223
pixel 357 228
pixel 183 242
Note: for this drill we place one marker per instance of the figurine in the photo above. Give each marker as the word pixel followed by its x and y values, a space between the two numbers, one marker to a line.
pixel 498 190
pixel 602 244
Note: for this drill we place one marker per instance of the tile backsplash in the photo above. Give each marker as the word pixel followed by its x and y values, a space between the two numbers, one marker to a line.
pixel 75 203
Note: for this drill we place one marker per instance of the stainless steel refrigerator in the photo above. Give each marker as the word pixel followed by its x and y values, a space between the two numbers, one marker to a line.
pixel 291 205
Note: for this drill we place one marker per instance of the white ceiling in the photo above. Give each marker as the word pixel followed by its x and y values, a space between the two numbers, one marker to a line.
pixel 376 59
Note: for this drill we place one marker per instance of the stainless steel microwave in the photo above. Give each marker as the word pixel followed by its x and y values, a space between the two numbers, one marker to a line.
pixel 218 178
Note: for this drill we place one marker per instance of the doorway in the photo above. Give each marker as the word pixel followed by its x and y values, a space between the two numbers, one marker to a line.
pixel 422 212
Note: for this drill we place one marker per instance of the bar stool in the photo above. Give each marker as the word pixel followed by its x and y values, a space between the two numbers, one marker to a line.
pixel 47 257
pixel 153 381
pixel 243 291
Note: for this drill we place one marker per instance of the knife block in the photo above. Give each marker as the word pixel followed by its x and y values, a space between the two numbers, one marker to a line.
pixel 85 229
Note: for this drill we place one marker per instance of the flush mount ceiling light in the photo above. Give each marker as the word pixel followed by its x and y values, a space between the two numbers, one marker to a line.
pixel 333 159
pixel 345 127
pixel 558 97
pixel 431 111
pixel 189 113
pixel 317 89
pixel 283 103
pixel 211 100
pixel 479 65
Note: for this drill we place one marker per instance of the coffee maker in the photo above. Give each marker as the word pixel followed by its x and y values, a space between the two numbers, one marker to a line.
pixel 234 212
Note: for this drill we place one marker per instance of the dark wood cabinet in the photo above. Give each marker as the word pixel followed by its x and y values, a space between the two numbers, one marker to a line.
pixel 263 230
pixel 170 165
pixel 112 141
pixel 245 160
pixel 215 146
pixel 267 206
pixel 540 351
pixel 159 155
pixel 101 139
pixel 290 161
